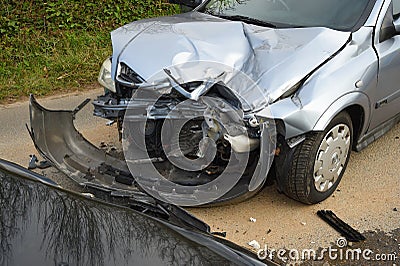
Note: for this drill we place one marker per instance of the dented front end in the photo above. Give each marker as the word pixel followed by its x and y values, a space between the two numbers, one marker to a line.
pixel 208 125
pixel 187 105
pixel 197 47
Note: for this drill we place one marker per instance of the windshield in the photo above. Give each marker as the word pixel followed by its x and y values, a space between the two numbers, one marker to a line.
pixel 335 14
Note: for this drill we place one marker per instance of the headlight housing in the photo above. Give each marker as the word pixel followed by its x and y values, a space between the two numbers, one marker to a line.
pixel 105 78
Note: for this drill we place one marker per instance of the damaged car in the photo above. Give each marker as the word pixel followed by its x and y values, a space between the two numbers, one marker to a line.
pixel 240 89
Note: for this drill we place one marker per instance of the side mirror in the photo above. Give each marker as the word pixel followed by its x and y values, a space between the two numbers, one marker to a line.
pixel 396 24
pixel 388 28
pixel 188 3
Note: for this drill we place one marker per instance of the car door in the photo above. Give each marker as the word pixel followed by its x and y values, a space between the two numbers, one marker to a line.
pixel 386 101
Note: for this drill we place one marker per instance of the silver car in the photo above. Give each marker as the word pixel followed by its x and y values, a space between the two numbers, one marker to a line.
pixel 295 85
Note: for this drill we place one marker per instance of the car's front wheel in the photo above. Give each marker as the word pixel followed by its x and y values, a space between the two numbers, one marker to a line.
pixel 316 166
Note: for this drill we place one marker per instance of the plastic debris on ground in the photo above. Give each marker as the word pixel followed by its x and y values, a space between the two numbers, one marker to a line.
pixel 254 244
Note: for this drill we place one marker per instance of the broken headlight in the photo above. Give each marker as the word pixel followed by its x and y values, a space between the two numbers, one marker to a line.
pixel 105 78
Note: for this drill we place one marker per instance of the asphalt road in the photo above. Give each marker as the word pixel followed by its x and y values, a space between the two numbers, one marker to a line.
pixel 368 197
pixel 15 143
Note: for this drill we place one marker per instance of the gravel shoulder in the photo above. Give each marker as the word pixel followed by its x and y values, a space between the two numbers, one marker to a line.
pixel 366 199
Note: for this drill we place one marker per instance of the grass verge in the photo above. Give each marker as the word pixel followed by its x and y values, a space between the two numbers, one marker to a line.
pixel 48 48
pixel 43 65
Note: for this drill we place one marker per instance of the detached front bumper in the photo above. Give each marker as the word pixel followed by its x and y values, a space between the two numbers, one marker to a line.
pixel 57 140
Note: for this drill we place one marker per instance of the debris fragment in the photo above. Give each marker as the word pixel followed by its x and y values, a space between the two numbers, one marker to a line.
pixel 223 234
pixel 254 244
pixel 110 123
pixel 269 231
pixel 253 220
pixel 88 195
pixel 344 229
pixel 303 223
pixel 395 209
pixel 43 165
pixel 32 162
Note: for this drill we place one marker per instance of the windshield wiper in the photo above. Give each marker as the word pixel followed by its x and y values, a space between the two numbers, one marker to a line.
pixel 248 20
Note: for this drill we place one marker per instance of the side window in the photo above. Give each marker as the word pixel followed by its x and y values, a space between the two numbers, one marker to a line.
pixel 396 8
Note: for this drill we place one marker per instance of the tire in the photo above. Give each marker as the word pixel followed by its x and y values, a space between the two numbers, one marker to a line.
pixel 311 171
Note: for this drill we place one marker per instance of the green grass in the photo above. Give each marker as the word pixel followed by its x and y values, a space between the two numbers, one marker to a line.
pixel 42 65
pixel 48 48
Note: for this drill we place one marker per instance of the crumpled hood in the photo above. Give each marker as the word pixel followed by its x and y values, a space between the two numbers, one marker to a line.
pixel 195 46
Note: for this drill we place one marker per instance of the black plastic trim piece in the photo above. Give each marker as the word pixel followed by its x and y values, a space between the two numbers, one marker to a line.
pixel 343 228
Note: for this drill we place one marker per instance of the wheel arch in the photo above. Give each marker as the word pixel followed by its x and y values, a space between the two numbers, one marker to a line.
pixel 357 115
pixel 357 105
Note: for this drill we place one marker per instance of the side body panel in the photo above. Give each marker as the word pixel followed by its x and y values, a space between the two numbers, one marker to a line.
pixel 386 99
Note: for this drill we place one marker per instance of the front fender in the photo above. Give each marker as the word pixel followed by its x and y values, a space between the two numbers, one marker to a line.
pixel 297 119
pixel 347 100
pixel 300 119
